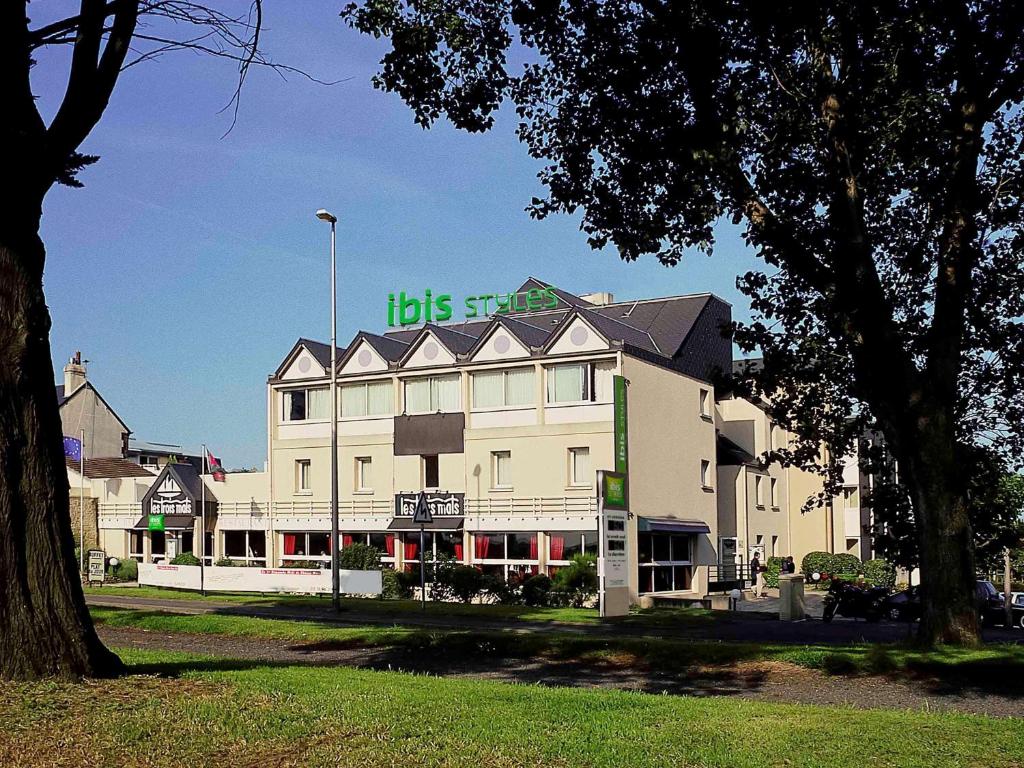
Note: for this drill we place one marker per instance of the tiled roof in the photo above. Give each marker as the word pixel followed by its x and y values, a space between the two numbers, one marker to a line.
pixel 108 468
pixel 321 351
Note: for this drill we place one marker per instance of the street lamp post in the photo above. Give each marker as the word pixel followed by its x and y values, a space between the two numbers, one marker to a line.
pixel 324 215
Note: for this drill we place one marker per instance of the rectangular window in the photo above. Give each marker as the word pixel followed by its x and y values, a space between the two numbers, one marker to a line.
pixel 705 402
pixel 758 491
pixel 501 469
pixel 579 467
pixel 775 492
pixel 569 383
pixel 503 389
pixel 363 480
pixel 246 546
pixel 302 476
pixel 371 398
pixel 850 498
pixel 705 473
pixel 664 562
pixel 775 546
pixel 431 472
pixel 433 394
pixel 307 404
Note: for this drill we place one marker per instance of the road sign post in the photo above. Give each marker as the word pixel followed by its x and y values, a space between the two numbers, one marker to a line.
pixel 422 517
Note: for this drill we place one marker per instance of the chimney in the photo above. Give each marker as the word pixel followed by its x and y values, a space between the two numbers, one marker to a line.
pixel 599 298
pixel 74 374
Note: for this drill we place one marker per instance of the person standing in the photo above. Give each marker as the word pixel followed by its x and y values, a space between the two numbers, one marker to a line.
pixel 755 575
pixel 790 565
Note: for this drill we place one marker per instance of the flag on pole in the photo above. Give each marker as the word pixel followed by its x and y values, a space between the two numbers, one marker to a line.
pixel 73 448
pixel 213 463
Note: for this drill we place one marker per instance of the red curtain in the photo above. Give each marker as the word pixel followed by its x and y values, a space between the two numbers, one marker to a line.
pixel 533 547
pixel 556 546
pixel 481 545
pixel 411 545
pixel 289 543
pixel 389 544
pixel 458 551
pixel 346 539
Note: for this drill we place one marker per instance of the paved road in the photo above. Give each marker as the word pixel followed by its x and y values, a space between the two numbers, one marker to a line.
pixel 744 626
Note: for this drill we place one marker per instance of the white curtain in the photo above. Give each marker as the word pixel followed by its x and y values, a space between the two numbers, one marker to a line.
pixel 380 398
pixel 353 400
pixel 487 389
pixel 581 466
pixel 318 403
pixel 566 383
pixel 417 396
pixel 446 394
pixel 519 387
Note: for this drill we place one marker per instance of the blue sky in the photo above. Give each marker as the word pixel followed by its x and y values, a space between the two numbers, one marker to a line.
pixel 190 263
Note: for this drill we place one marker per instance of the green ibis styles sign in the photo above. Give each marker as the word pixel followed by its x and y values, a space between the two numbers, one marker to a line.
pixel 156 522
pixel 408 309
pixel 621 424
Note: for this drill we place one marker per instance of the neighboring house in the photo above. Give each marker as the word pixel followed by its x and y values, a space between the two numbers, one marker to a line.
pixel 155 456
pixel 83 409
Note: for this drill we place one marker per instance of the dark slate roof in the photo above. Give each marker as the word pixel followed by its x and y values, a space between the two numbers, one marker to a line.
pixel 679 332
pixel 171 523
pixel 188 479
pixel 321 351
pixel 60 395
pixel 96 469
pixel 457 341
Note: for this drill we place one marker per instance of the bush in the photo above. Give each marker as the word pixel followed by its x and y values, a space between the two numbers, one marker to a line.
pixel 846 563
pixel 535 590
pixel 225 562
pixel 185 558
pixel 771 576
pixel 125 570
pixel 394 586
pixel 816 562
pixel 494 586
pixel 465 582
pixel 360 557
pixel 880 573
pixel 576 583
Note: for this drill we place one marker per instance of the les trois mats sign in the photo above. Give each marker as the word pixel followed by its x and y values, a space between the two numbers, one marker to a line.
pixel 404 309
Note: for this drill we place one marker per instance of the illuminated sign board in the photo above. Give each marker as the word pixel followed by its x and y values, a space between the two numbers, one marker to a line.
pixel 405 309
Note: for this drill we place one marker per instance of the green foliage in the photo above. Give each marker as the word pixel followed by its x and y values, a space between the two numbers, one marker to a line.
pixel 224 562
pixel 185 558
pixel 816 562
pixel 398 585
pixel 360 557
pixel 576 583
pixel 125 570
pixel 499 590
pixel 843 562
pixel 771 576
pixel 535 590
pixel 879 573
pixel 451 580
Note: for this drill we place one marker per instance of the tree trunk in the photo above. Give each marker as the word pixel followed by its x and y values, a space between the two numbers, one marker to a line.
pixel 45 627
pixel 937 487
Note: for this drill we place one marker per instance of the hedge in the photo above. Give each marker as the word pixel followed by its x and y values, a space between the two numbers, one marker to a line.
pixel 771 576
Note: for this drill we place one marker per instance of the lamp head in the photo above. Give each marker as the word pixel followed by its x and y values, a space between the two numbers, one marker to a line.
pixel 324 215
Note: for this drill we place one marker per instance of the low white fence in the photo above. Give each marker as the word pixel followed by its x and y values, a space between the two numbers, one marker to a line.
pixel 226 579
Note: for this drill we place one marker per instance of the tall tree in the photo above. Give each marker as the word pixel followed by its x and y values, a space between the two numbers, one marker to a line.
pixel 45 628
pixel 871 152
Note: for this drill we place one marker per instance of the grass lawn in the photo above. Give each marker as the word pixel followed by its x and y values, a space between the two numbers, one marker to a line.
pixel 191 710
pixel 398 608
pixel 989 663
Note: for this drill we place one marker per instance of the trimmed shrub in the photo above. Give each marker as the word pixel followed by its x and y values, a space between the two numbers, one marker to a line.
pixel 880 573
pixel 125 570
pixel 816 562
pixel 185 558
pixel 359 557
pixel 771 576
pixel 846 563
pixel 535 590
pixel 500 591
pixel 225 562
pixel 395 587
pixel 465 582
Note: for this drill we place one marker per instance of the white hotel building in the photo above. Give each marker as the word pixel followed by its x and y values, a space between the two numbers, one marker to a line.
pixel 508 418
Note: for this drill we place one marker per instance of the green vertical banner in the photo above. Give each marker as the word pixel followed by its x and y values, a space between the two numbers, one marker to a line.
pixel 621 425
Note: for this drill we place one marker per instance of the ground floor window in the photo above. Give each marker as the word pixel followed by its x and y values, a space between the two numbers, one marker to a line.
pixel 306 546
pixel 505 554
pixel 435 543
pixel 137 545
pixel 380 540
pixel 664 562
pixel 158 545
pixel 563 546
pixel 248 547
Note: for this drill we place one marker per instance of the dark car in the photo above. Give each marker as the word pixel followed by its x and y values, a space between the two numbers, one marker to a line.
pixel 906 605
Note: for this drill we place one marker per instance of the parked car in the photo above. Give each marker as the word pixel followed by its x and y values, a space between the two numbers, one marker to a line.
pixel 906 605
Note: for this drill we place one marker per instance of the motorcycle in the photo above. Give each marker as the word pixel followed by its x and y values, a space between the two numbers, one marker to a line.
pixel 853 601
